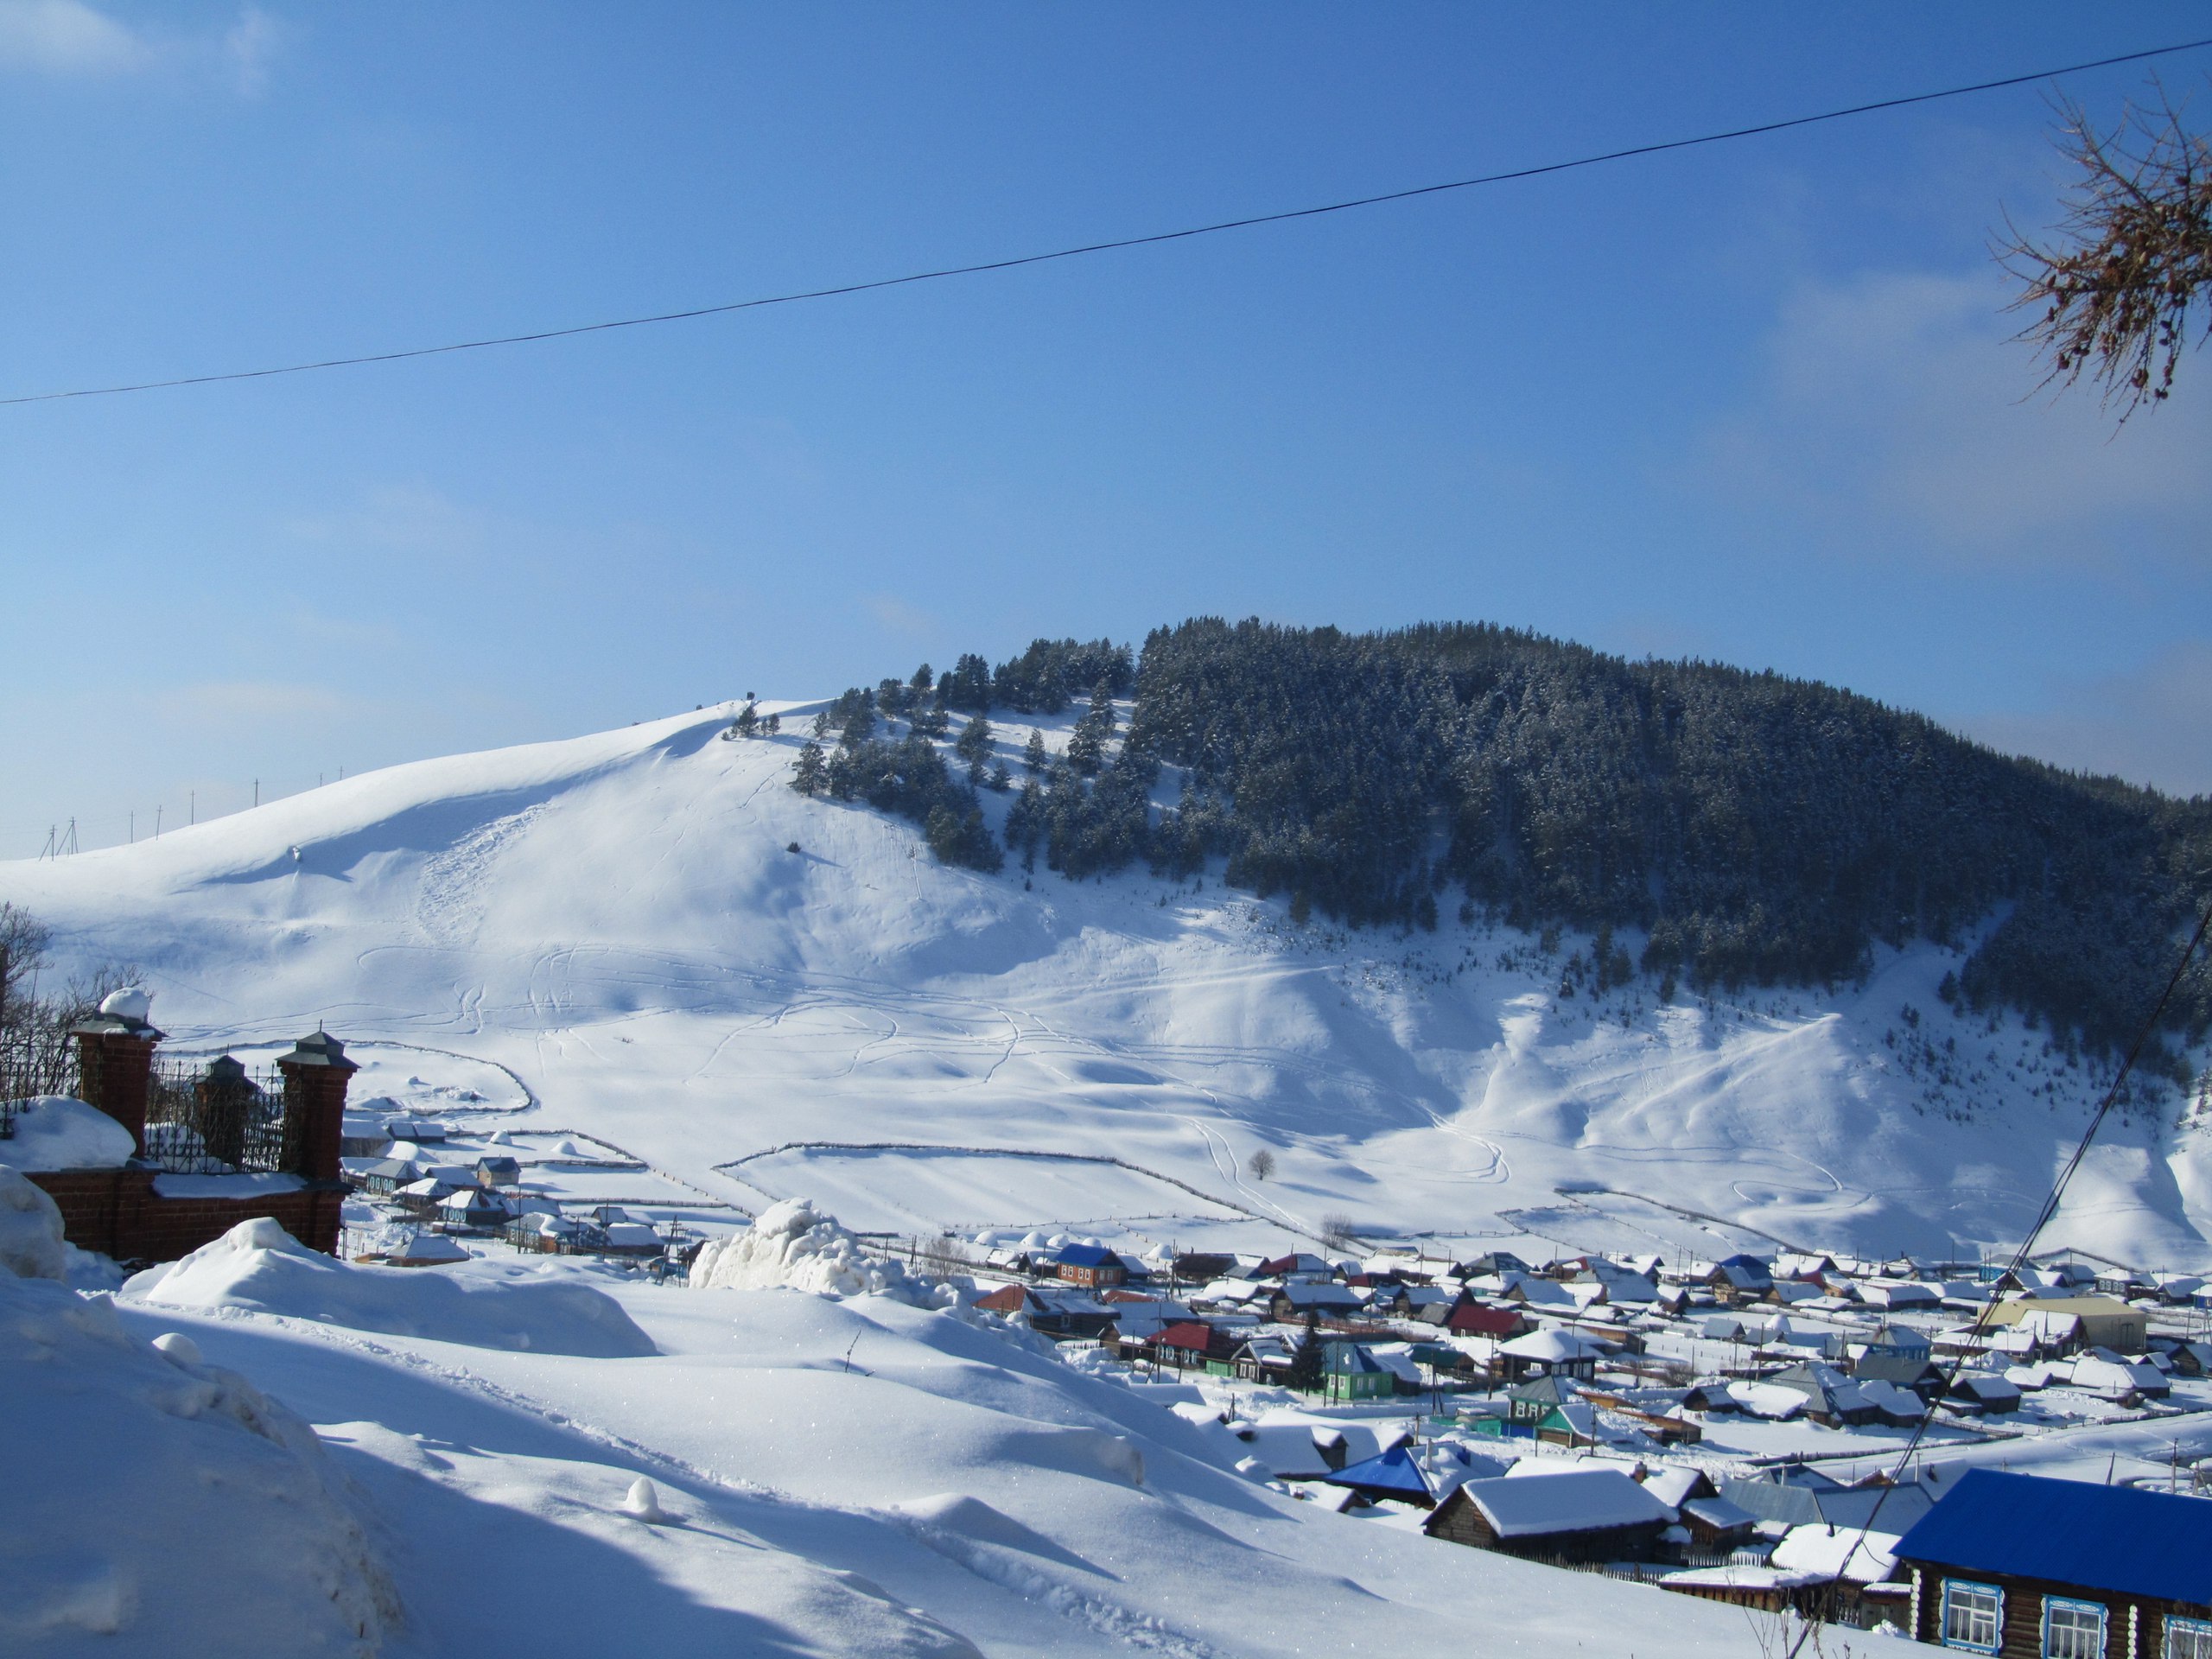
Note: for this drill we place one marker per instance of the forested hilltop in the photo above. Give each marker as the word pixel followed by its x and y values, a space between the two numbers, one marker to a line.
pixel 1732 827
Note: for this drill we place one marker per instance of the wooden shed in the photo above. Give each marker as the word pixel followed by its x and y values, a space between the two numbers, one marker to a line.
pixel 1585 1515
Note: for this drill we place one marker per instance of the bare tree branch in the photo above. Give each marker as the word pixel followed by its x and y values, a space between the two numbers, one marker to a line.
pixel 2128 270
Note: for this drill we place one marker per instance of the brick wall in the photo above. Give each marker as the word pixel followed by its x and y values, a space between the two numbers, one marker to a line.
pixel 118 1212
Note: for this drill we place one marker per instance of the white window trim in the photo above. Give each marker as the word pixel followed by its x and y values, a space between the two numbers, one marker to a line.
pixel 2174 1622
pixel 2075 1604
pixel 1943 1616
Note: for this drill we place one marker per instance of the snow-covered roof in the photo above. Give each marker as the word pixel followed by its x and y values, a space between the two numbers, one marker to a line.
pixel 1830 1552
pixel 1673 1486
pixel 1718 1513
pixel 1581 1500
pixel 1552 1347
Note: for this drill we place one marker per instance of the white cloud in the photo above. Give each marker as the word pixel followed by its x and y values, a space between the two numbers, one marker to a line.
pixel 70 38
pixel 402 517
pixel 895 614
pixel 221 704
pixel 67 37
pixel 251 47
pixel 1896 415
pixel 2152 726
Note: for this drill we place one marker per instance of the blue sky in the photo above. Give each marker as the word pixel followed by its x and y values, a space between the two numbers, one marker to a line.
pixel 1752 403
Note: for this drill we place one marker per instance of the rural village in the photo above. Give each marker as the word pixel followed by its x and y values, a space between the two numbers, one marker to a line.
pixel 1724 1429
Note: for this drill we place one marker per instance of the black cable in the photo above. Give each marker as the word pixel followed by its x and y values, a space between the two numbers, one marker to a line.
pixel 2020 1256
pixel 1125 242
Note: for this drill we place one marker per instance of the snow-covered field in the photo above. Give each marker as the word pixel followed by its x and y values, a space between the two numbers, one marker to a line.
pixel 824 1475
pixel 610 934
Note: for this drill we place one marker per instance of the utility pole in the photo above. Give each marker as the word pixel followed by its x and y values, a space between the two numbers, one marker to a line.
pixel 193 807
pixel 257 792
pixel 134 827
pixel 157 824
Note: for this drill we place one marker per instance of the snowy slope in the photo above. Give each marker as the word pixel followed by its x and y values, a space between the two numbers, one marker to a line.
pixel 860 1476
pixel 617 920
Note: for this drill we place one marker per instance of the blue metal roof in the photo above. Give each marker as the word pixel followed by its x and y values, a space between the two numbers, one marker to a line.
pixel 1087 1255
pixel 1394 1473
pixel 2117 1539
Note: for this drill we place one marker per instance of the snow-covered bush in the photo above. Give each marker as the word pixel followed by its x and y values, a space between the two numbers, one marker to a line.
pixel 794 1246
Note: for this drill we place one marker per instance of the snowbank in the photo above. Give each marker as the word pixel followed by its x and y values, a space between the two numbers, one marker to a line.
pixel 54 1132
pixel 162 1506
pixel 31 1245
pixel 259 1267
pixel 795 1247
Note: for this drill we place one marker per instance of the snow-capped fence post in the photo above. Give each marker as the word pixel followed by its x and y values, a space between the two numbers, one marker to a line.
pixel 115 1060
pixel 316 1073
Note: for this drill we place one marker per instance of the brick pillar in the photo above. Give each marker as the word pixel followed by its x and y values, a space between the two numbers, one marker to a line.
pixel 316 1073
pixel 115 1062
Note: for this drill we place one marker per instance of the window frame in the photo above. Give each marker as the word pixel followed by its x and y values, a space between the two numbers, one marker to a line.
pixel 2076 1605
pixel 2176 1624
pixel 1943 1615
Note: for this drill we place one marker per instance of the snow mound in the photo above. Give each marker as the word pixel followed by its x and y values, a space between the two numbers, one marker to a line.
pixel 259 1266
pixel 793 1246
pixel 31 1245
pixel 54 1132
pixel 165 1507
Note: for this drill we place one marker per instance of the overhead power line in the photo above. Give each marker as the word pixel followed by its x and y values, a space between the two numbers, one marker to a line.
pixel 2021 1257
pixel 1019 260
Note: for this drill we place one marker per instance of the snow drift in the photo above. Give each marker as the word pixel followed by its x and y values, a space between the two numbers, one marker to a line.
pixel 161 1506
pixel 31 1242
pixel 793 1246
pixel 259 1267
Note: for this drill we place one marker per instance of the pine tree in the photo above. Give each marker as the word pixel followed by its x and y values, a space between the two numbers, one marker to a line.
pixel 822 724
pixel 975 744
pixel 1309 1360
pixel 1001 779
pixel 859 724
pixel 1032 753
pixel 748 722
pixel 922 681
pixel 809 774
pixel 772 725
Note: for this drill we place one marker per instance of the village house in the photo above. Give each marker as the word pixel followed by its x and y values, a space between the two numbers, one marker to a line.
pixel 1739 1279
pixel 1596 1514
pixel 1706 1525
pixel 1091 1266
pixel 1548 1353
pixel 1050 1312
pixel 1527 1404
pixel 1392 1478
pixel 1350 1372
pixel 1471 1319
pixel 1294 1301
pixel 2027 1567
pixel 2099 1321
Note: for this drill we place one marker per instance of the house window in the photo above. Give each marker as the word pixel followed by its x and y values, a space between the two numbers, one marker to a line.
pixel 2187 1639
pixel 2073 1630
pixel 1973 1615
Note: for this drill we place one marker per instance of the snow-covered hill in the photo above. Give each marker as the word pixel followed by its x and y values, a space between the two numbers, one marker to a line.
pixel 620 921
